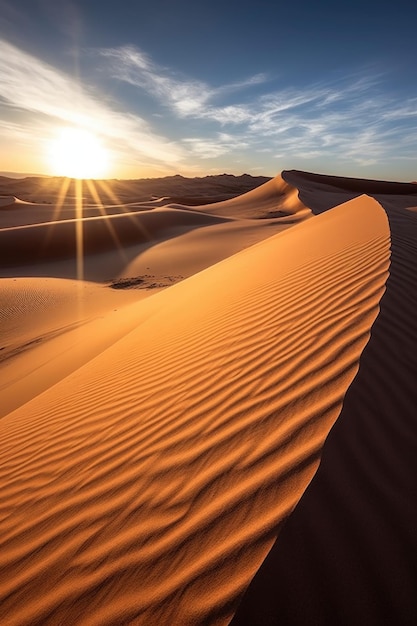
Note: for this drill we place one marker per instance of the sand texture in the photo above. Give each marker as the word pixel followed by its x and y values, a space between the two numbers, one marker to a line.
pixel 165 406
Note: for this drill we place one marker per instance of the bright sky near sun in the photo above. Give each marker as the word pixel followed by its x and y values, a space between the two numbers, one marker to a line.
pixel 135 89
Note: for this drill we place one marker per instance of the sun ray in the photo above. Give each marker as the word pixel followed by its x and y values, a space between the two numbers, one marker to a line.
pixel 94 193
pixel 109 192
pixel 79 238
pixel 62 194
pixel 63 190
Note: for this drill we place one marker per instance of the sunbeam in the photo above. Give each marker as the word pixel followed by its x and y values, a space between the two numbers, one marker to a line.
pixel 79 239
pixel 93 191
pixel 61 197
pixel 138 226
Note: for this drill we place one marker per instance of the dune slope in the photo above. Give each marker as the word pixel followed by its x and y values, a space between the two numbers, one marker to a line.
pixel 140 248
pixel 147 486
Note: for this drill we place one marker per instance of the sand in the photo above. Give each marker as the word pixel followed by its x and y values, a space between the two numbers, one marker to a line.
pixel 215 419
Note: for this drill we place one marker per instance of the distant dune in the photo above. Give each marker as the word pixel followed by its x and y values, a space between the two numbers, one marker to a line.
pixel 216 422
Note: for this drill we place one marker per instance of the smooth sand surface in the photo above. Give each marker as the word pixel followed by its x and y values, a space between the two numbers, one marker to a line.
pixel 163 419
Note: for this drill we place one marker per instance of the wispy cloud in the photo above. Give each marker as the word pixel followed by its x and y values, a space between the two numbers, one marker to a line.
pixel 220 144
pixel 186 97
pixel 28 84
pixel 349 118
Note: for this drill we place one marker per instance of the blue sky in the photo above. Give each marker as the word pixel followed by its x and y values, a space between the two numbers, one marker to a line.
pixel 201 88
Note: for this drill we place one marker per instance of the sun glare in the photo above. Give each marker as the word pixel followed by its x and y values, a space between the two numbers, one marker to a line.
pixel 78 153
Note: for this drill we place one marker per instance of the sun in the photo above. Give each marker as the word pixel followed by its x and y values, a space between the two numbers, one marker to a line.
pixel 78 153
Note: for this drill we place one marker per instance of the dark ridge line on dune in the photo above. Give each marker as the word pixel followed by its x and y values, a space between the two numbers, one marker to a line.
pixel 347 553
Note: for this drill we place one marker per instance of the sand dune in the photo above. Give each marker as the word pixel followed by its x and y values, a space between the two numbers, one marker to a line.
pixel 157 440
pixel 274 199
pixel 41 235
pixel 347 553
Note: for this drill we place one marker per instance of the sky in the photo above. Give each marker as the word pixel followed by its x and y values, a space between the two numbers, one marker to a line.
pixel 207 87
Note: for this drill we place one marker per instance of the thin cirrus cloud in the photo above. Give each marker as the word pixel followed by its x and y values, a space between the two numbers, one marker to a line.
pixel 49 98
pixel 222 143
pixel 351 118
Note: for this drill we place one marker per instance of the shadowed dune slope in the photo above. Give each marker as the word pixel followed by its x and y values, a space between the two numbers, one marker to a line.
pixel 60 239
pixel 148 486
pixel 347 554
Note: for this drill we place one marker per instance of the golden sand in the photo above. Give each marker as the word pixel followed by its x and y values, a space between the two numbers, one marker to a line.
pixel 162 418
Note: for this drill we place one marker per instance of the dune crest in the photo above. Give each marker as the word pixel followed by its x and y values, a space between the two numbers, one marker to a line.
pixel 147 486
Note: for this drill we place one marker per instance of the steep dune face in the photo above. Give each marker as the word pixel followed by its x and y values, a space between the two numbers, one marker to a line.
pixel 321 192
pixel 147 486
pixel 347 553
